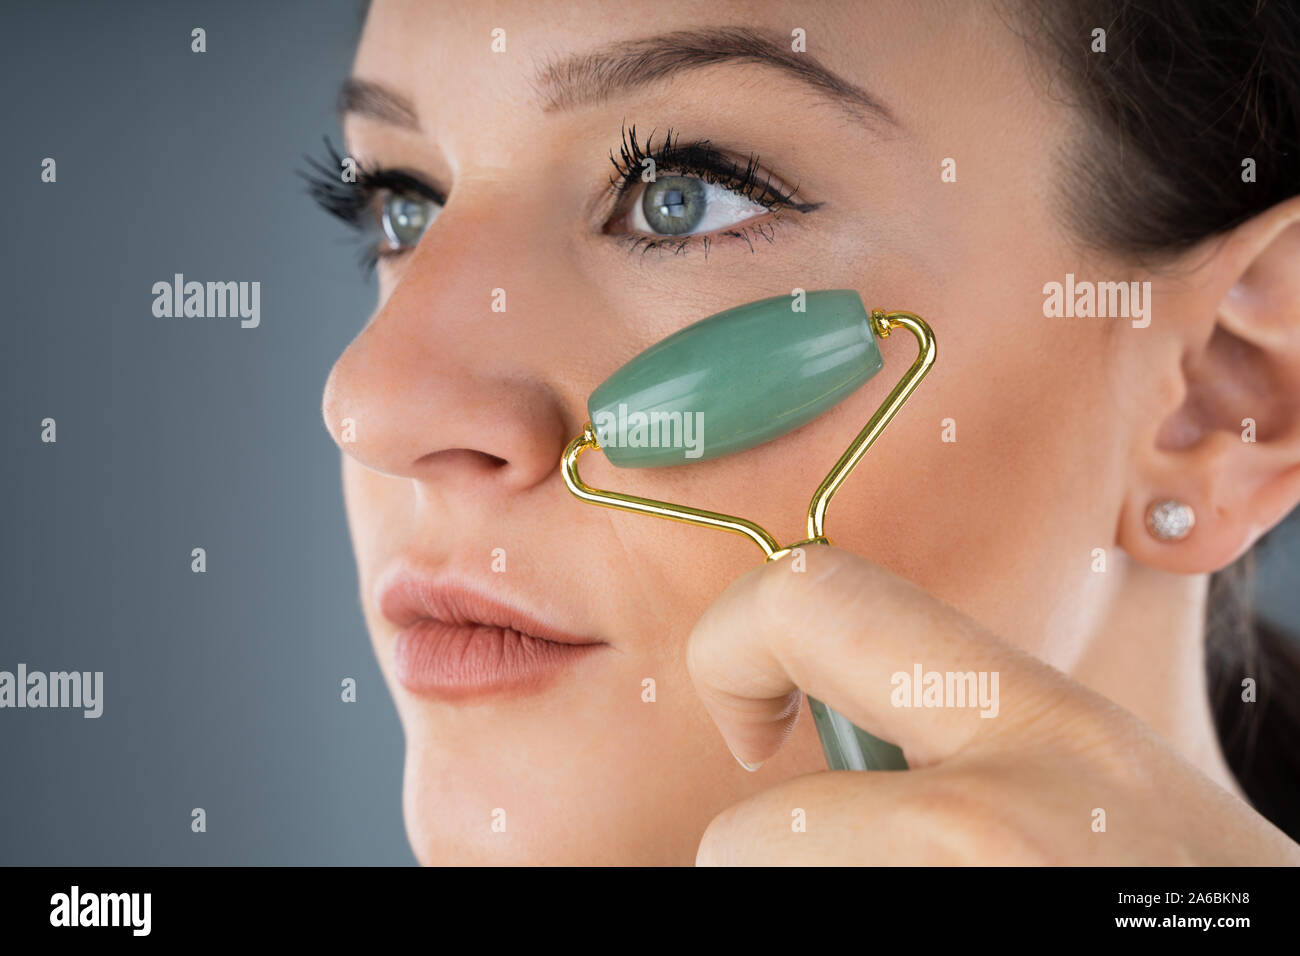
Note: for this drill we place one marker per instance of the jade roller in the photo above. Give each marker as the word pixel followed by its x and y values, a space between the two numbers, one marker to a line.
pixel 736 380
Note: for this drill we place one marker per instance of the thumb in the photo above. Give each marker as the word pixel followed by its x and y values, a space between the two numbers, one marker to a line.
pixel 886 654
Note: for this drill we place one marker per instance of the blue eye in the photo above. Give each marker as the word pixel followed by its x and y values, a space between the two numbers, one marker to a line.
pixel 404 219
pixel 687 205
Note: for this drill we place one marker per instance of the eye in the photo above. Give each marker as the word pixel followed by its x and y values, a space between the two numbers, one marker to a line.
pixel 686 205
pixel 404 218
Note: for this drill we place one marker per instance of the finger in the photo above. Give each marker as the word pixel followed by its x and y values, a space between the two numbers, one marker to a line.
pixel 890 657
pixel 923 818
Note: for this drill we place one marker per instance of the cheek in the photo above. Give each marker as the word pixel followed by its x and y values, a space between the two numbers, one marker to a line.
pixel 998 479
pixel 991 488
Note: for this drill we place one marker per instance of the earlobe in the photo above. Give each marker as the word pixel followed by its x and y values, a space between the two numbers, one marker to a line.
pixel 1228 457
pixel 1206 480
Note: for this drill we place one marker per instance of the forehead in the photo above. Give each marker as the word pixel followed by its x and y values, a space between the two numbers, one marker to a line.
pixel 452 61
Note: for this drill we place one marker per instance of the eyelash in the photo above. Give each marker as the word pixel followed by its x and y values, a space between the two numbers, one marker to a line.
pixel 700 160
pixel 354 203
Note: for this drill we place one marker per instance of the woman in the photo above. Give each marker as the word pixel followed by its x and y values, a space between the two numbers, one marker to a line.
pixel 1047 508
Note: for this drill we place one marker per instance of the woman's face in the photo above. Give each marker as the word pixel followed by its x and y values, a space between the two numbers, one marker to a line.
pixel 460 408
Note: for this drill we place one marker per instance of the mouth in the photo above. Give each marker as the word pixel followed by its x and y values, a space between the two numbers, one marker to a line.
pixel 455 642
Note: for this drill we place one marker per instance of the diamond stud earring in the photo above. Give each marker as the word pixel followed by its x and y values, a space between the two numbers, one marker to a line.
pixel 1170 520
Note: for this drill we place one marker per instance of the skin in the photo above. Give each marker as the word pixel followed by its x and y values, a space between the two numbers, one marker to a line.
pixel 1067 429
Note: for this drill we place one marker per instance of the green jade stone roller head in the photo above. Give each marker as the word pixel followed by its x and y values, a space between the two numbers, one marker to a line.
pixel 736 380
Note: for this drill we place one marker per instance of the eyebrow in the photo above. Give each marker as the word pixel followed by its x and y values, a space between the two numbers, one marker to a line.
pixel 590 78
pixel 364 98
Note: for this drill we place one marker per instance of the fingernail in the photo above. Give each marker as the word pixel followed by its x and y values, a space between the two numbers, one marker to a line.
pixel 751 767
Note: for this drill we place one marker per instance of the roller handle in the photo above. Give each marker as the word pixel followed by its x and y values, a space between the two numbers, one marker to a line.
pixel 850 748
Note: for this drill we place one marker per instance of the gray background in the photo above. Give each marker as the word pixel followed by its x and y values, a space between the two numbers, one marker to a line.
pixel 222 689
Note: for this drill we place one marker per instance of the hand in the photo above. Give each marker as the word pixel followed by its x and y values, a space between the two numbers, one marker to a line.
pixel 1021 787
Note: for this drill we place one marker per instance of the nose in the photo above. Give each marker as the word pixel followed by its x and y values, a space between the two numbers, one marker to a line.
pixel 438 387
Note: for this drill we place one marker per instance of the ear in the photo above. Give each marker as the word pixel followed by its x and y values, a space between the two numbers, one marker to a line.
pixel 1226 439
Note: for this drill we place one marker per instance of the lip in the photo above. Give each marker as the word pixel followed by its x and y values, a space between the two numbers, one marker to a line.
pixel 455 642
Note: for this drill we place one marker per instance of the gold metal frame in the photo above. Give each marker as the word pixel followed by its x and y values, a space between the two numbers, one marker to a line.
pixel 882 324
